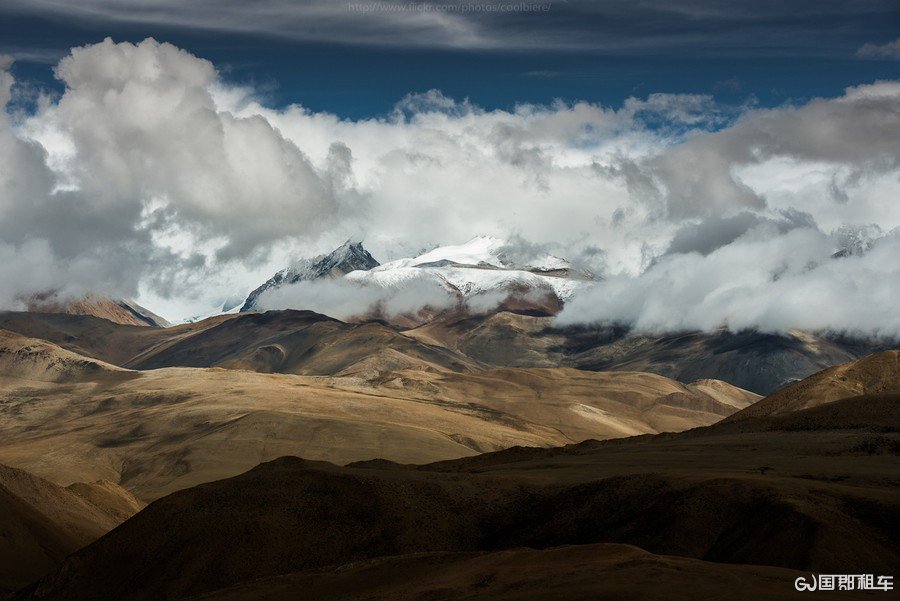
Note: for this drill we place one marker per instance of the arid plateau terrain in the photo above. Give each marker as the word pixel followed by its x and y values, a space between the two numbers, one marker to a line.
pixel 288 455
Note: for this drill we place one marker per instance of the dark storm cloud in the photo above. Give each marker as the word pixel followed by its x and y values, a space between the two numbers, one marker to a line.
pixel 616 26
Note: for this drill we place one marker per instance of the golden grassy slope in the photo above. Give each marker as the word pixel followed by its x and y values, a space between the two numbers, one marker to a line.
pixel 68 418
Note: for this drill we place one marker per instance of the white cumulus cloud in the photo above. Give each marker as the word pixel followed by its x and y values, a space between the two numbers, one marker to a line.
pixel 152 176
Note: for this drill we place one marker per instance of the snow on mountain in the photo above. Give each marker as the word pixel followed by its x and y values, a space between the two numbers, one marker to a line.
pixel 481 251
pixel 229 306
pixel 483 273
pixel 468 281
pixel 350 256
pixel 856 240
pixel 481 265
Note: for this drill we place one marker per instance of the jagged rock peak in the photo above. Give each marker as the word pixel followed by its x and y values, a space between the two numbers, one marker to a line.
pixel 349 256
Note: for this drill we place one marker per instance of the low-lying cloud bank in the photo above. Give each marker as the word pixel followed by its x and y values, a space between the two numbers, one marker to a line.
pixel 414 296
pixel 152 177
pixel 763 280
pixel 345 299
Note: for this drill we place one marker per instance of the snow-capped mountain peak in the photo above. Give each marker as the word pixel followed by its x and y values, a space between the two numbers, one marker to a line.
pixel 483 265
pixel 350 256
pixel 481 250
pixel 482 273
pixel 856 240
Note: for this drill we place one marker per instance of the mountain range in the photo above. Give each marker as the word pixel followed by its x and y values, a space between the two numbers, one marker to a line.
pixel 496 310
pixel 473 450
pixel 483 273
pixel 297 341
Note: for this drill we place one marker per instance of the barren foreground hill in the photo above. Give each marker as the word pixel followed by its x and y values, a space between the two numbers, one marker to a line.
pixel 526 523
pixel 606 572
pixel 804 479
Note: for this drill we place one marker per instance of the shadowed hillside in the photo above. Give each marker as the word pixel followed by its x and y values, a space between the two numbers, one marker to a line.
pixel 597 572
pixel 759 362
pixel 41 523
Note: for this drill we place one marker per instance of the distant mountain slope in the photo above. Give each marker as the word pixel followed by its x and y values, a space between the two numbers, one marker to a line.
pixel 871 375
pixel 121 311
pixel 99 338
pixel 751 360
pixel 286 341
pixel 41 523
pixel 350 256
pixel 299 342
pixel 756 361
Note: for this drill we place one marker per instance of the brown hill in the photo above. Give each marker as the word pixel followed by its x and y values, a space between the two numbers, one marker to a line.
pixel 41 523
pixel 29 359
pixel 298 342
pixel 125 312
pixel 874 374
pixel 160 430
pixel 111 498
pixel 96 337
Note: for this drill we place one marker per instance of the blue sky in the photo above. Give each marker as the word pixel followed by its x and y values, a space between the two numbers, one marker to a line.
pixel 330 56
